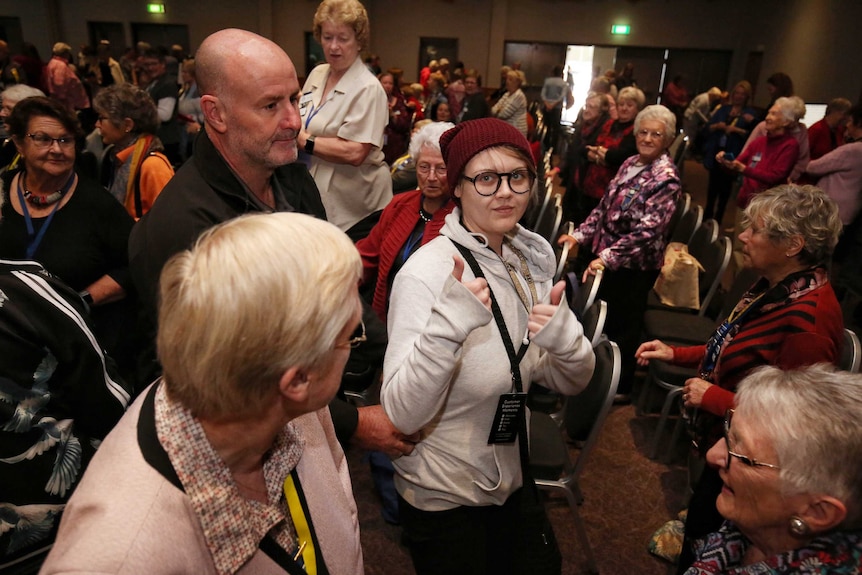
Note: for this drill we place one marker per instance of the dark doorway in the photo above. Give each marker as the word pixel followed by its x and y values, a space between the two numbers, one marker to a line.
pixel 535 59
pixel 10 31
pixel 164 35
pixel 113 32
pixel 648 67
pixel 437 48
pixel 752 70
pixel 701 69
pixel 313 53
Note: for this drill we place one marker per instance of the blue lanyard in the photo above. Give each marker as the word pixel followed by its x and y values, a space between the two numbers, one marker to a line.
pixel 36 238
pixel 413 241
pixel 719 338
pixel 313 112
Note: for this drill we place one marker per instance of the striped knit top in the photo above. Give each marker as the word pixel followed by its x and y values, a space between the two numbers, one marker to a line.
pixel 800 331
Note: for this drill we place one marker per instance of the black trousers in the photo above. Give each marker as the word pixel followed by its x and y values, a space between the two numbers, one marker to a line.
pixel 703 517
pixel 625 291
pixel 463 540
pixel 718 193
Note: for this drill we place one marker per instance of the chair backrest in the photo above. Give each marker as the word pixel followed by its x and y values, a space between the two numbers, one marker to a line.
pixel 549 221
pixel 679 154
pixel 851 355
pixel 546 194
pixel 594 321
pixel 586 293
pixel 677 143
pixel 587 411
pixel 687 225
pixel 562 252
pixel 714 261
pixel 703 236
pixel 682 206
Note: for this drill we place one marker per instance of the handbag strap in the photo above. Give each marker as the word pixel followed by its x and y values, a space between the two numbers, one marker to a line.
pixel 514 359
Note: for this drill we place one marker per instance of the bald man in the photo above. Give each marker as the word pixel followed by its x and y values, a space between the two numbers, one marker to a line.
pixel 243 162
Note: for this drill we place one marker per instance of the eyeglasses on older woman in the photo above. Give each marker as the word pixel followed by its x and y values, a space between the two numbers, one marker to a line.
pixel 749 461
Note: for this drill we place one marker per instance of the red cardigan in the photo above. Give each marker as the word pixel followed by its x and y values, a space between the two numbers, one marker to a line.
pixel 778 155
pixel 807 331
pixel 386 239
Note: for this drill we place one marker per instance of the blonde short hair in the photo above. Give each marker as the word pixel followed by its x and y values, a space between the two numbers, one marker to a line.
pixel 632 94
pixel 350 13
pixel 254 297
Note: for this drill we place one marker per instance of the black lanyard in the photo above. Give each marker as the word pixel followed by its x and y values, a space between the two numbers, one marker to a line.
pixel 514 358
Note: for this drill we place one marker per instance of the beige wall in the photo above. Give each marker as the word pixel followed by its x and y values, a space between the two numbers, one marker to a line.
pixel 816 41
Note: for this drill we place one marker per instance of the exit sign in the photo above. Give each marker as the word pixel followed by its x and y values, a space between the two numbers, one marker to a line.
pixel 156 8
pixel 621 29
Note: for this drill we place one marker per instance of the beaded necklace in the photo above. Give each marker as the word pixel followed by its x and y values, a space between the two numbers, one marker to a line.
pixel 42 201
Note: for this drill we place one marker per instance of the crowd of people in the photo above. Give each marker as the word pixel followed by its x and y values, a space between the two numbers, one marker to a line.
pixel 199 256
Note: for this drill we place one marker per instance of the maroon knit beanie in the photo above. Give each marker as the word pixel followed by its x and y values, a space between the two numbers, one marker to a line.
pixel 467 139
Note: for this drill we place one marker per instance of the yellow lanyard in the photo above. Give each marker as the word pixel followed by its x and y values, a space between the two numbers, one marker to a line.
pixel 301 524
pixel 525 271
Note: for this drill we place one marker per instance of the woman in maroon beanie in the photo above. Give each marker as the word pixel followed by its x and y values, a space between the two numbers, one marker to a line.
pixel 452 363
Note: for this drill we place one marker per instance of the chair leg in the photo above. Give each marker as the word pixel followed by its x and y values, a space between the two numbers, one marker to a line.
pixel 640 408
pixel 581 532
pixel 665 413
pixel 579 496
pixel 677 429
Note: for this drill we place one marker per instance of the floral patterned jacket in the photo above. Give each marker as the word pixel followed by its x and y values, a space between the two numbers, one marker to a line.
pixel 836 553
pixel 629 227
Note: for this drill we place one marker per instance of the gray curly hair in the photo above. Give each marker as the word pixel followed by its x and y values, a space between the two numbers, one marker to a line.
pixel 807 211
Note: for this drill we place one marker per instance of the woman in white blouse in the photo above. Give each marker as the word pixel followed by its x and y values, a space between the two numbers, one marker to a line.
pixel 344 114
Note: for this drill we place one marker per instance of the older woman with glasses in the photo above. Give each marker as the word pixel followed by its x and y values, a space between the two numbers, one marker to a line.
pixel 626 234
pixel 451 360
pixel 72 226
pixel 411 219
pixel 789 462
pixel 788 318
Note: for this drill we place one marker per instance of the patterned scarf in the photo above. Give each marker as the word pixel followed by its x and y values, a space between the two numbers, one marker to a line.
pixel 758 300
pixel 836 553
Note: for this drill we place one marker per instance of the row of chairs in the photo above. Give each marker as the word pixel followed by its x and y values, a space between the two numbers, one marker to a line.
pixel 556 422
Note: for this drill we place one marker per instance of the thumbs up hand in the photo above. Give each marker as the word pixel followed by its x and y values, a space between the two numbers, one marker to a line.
pixel 543 312
pixel 478 286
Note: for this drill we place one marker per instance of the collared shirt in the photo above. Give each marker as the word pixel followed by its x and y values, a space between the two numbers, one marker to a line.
pixel 233 526
pixel 355 109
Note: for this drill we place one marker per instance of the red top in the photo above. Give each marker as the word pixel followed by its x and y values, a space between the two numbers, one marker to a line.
pixel 387 238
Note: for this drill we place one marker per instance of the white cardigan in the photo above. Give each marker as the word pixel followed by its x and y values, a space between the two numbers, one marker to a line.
pixel 446 367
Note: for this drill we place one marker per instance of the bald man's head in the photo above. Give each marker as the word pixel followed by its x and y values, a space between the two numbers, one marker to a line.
pixel 226 56
pixel 250 101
